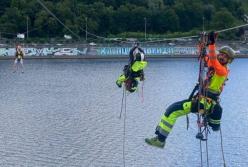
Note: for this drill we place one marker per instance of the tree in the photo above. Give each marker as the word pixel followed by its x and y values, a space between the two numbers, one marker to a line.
pixel 190 13
pixel 12 21
pixel 166 20
pixel 223 19
pixel 106 17
pixel 3 6
pixel 169 2
pixel 155 5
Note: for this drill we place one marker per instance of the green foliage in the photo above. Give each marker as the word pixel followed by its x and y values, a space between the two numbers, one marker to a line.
pixel 125 18
pixel 223 19
pixel 3 6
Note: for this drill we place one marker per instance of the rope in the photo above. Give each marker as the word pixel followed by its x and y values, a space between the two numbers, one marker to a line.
pixel 51 13
pixel 129 42
pixel 199 121
pixel 154 41
pixel 222 150
pixel 196 36
pixel 199 135
pixel 124 105
pixel 37 28
pixel 202 119
pixel 205 125
pixel 142 92
pixel 201 152
pixel 206 135
pixel 124 130
pixel 232 28
pixel 123 94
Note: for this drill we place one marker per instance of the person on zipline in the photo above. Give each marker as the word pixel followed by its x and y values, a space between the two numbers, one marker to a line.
pixel 134 70
pixel 19 55
pixel 208 102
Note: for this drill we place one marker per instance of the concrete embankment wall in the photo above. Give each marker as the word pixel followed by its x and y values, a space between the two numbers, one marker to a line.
pixel 104 52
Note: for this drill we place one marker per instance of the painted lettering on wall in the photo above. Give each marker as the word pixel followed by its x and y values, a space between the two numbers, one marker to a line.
pixel 98 51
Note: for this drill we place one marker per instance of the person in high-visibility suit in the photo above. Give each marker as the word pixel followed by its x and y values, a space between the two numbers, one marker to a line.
pixel 208 103
pixel 133 72
pixel 19 56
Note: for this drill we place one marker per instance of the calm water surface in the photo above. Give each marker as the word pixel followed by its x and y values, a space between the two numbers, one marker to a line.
pixel 65 113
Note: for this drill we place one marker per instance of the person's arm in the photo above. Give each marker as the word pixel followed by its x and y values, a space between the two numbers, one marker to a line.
pixel 213 61
pixel 23 54
pixel 131 57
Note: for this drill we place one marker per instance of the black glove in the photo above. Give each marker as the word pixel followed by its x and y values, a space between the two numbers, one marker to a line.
pixel 212 37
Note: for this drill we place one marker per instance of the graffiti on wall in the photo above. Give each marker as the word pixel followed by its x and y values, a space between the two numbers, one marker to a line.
pixel 45 51
pixel 98 51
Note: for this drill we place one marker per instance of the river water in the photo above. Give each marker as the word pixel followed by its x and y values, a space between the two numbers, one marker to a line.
pixel 65 113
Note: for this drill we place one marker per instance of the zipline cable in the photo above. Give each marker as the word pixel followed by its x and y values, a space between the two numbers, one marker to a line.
pixel 154 41
pixel 51 13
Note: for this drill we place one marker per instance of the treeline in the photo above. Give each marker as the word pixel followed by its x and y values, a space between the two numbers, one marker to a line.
pixel 112 18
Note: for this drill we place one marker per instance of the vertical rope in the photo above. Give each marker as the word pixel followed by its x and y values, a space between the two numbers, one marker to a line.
pixel 142 92
pixel 222 150
pixel 201 153
pixel 123 94
pixel 202 52
pixel 206 134
pixel 123 105
pixel 198 114
pixel 124 129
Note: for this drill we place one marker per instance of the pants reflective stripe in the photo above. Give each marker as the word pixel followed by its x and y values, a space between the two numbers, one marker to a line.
pixel 164 127
pixel 214 121
pixel 166 123
pixel 162 131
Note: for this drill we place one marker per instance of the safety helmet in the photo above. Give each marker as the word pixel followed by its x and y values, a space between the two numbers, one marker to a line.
pixel 18 47
pixel 136 44
pixel 229 52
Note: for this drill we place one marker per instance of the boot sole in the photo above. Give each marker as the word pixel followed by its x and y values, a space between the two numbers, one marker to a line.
pixel 149 143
